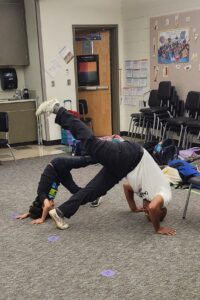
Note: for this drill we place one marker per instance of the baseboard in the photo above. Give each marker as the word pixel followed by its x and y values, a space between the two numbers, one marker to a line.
pixel 51 143
pixel 45 143
pixel 23 144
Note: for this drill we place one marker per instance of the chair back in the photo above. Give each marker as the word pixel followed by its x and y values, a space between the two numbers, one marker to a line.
pixel 83 108
pixel 180 107
pixel 192 104
pixel 153 99
pixel 164 90
pixel 4 122
pixel 172 101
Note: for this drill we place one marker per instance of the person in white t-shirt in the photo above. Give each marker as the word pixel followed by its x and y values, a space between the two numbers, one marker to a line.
pixel 119 160
pixel 150 184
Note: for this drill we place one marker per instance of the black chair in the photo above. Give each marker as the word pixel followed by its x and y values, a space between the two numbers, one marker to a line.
pixel 83 111
pixel 192 126
pixel 182 124
pixel 160 102
pixel 138 119
pixel 157 116
pixel 4 129
pixel 192 181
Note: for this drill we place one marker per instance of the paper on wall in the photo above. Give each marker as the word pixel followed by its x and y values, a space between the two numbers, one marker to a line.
pixel 194 57
pixel 178 67
pixel 144 64
pixel 154 46
pixel 188 68
pixel 165 72
pixel 187 19
pixel 176 20
pixel 136 72
pixel 53 68
pixel 131 100
pixel 167 22
pixel 129 73
pixel 66 54
pixel 128 64
pixel 156 69
pixel 136 64
pixel 196 35
pixel 130 91
pixel 156 25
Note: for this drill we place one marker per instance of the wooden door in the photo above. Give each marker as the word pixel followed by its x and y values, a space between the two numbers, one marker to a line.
pixel 99 101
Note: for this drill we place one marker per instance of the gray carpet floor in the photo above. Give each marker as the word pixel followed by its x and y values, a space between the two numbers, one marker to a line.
pixel 143 265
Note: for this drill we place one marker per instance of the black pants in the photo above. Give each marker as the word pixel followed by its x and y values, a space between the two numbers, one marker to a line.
pixel 58 171
pixel 117 158
pixel 63 166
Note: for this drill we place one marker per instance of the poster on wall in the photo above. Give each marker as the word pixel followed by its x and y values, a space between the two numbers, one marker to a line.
pixel 173 46
pixel 66 54
pixel 136 74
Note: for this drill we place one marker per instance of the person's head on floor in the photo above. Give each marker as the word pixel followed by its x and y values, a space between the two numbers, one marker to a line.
pixel 36 209
pixel 163 211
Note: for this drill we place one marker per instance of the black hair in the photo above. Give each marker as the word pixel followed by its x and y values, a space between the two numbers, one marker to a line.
pixel 35 210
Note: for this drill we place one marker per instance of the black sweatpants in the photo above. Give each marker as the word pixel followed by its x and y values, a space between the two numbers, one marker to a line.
pixel 118 159
pixel 58 171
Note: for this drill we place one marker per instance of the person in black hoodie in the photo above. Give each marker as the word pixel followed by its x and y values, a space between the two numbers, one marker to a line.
pixel 56 172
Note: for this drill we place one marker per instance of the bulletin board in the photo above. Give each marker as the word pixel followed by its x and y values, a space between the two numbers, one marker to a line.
pixel 175 51
pixel 136 81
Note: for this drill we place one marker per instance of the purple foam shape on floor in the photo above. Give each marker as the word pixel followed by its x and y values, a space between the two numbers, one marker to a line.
pixel 14 215
pixel 53 238
pixel 108 273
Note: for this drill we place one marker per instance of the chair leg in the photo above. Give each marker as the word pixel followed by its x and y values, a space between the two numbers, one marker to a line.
pixel 187 201
pixel 180 137
pixel 191 140
pixel 163 131
pixel 137 129
pixel 187 140
pixel 184 138
pixel 157 127
pixel 11 152
pixel 130 126
pixel 142 129
pixel 132 132
pixel 146 134
pixel 154 123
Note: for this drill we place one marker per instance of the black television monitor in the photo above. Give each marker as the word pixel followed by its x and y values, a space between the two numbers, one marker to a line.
pixel 88 70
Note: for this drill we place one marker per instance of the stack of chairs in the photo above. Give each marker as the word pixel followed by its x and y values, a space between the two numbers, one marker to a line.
pixel 186 122
pixel 161 106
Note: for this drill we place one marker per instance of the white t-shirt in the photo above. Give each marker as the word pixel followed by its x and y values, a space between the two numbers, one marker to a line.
pixel 148 181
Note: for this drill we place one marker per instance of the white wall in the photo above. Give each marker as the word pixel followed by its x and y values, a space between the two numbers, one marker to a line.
pixel 57 18
pixel 32 75
pixel 136 28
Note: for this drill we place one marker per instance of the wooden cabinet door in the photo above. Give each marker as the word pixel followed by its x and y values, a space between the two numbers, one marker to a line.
pixel 13 37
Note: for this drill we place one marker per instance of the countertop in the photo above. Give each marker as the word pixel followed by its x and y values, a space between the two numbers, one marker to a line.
pixel 2 101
